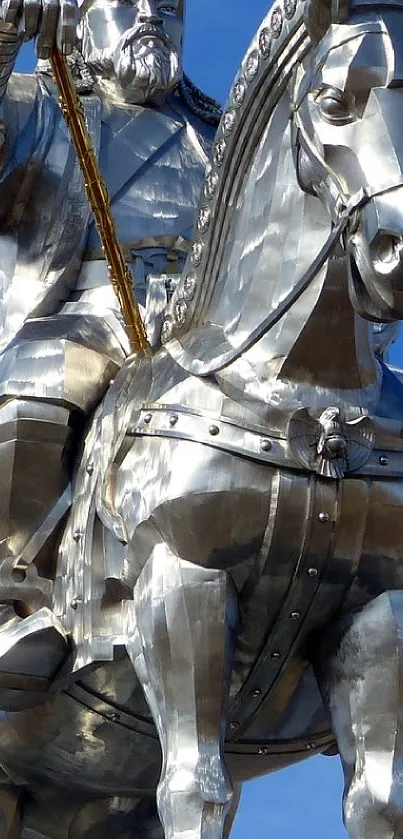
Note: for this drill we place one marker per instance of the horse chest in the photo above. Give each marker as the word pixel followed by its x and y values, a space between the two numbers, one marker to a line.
pixel 322 533
pixel 329 546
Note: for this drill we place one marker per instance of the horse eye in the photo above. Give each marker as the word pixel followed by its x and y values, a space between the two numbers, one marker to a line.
pixel 335 106
pixel 167 9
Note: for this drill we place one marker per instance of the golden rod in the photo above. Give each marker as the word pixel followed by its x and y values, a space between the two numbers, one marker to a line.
pixel 98 198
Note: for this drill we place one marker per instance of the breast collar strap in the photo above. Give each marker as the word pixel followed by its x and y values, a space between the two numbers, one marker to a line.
pixel 343 204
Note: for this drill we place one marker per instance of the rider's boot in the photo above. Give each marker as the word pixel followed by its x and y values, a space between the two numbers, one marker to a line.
pixel 47 389
pixel 360 673
pixel 34 479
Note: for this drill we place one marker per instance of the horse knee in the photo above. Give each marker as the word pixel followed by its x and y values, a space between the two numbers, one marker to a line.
pixel 186 802
pixel 373 804
pixel 359 673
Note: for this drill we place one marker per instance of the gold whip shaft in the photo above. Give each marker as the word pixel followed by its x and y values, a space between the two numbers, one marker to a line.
pixel 98 198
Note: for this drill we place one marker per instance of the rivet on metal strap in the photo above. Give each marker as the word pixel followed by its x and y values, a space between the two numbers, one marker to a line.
pixel 323 517
pixel 214 430
pixel 275 654
pixel 75 603
pixel 383 460
pixel 147 419
pixel 19 575
pixel 312 572
pixel 266 445
pixel 173 419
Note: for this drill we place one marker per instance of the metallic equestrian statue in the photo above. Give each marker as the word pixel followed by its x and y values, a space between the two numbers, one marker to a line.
pixel 61 335
pixel 227 588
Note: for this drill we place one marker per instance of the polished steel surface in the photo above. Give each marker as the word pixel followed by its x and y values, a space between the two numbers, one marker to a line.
pixel 359 672
pixel 201 566
pixel 98 198
pixel 62 340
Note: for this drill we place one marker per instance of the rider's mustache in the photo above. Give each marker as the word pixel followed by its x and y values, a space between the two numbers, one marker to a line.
pixel 142 31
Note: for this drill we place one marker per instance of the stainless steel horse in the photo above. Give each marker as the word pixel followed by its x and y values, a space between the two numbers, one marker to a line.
pixel 234 548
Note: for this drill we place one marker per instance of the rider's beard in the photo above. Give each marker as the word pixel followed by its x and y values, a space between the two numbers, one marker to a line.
pixel 146 70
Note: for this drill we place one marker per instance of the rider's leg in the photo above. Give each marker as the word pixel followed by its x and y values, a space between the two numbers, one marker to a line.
pixel 50 380
pixel 10 815
pixel 360 673
pixel 180 633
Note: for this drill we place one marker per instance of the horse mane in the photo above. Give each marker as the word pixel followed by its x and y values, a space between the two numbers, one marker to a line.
pixel 254 136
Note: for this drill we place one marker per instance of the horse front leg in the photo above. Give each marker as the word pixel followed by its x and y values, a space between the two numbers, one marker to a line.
pixel 360 673
pixel 180 638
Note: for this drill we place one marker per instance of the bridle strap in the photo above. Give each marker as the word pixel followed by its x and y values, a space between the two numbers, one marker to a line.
pixel 360 198
pixel 345 208
pixel 295 294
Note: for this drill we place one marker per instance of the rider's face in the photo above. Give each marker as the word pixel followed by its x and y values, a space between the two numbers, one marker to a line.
pixel 134 47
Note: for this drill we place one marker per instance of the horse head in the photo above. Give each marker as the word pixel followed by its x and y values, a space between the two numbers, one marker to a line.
pixel 348 103
pixel 309 153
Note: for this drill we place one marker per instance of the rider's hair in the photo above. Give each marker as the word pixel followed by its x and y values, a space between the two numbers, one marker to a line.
pixel 203 106
pixel 198 102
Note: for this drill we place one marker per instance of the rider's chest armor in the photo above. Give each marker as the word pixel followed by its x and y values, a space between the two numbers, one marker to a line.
pixel 153 165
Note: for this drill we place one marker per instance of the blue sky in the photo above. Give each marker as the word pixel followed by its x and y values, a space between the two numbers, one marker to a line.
pixel 303 801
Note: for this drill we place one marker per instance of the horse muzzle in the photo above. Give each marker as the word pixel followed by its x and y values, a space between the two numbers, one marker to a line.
pixel 375 246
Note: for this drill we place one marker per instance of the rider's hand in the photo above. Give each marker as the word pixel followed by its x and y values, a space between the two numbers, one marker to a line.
pixel 51 22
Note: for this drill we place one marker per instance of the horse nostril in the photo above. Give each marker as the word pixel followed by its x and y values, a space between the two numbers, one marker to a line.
pixel 386 247
pixel 386 252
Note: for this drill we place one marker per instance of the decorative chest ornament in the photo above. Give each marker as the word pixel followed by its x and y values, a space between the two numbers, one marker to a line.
pixel 329 445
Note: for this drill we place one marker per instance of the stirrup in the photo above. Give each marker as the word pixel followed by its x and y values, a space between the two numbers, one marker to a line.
pixel 32 652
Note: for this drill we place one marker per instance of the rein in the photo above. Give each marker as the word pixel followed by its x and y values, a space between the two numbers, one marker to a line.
pixel 299 289
pixel 358 200
pixel 186 360
pixel 345 207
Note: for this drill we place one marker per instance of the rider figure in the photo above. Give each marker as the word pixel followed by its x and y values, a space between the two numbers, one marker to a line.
pixel 61 334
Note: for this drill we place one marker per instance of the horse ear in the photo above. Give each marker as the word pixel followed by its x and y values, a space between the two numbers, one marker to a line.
pixel 320 14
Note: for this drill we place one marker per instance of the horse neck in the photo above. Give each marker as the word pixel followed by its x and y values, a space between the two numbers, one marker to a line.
pixel 318 356
pixel 331 360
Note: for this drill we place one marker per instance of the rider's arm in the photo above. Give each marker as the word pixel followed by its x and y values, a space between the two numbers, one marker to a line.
pixel 50 22
pixel 10 43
